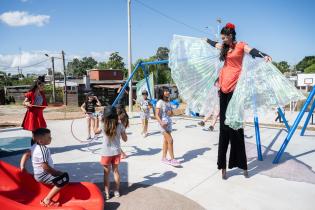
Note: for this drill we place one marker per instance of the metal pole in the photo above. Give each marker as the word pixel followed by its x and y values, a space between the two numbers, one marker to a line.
pixel 124 87
pixel 129 55
pixel 284 119
pixel 65 76
pixel 258 144
pixel 53 78
pixel 308 119
pixel 294 126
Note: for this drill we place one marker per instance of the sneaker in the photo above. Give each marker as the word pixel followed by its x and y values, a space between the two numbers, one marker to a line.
pixel 211 128
pixel 201 123
pixel 106 195
pixel 88 138
pixel 174 162
pixel 116 193
pixel 165 161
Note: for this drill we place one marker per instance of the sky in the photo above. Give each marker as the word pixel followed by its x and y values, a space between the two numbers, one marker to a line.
pixel 284 29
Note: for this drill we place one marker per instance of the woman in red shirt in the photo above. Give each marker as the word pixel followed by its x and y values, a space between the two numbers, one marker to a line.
pixel 232 53
pixel 35 101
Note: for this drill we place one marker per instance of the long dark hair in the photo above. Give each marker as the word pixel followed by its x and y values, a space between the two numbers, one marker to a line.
pixel 161 92
pixel 39 81
pixel 225 47
pixel 110 119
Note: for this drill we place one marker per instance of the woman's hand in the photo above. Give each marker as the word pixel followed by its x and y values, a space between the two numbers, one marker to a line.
pixel 27 104
pixel 268 58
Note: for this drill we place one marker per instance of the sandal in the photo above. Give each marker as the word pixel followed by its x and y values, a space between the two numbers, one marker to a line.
pixel 51 203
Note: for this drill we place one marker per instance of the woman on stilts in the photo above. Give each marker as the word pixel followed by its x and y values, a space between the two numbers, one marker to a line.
pixel 232 53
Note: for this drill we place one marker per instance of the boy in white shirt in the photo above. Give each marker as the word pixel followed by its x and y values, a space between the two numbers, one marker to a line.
pixel 44 168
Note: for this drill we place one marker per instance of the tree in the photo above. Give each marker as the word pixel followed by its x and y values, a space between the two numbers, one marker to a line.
pixel 310 69
pixel 162 53
pixel 102 65
pixel 163 73
pixel 115 61
pixel 306 62
pixel 78 67
pixel 283 66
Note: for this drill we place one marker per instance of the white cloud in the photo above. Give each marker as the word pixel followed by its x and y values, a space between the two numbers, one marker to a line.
pixel 100 56
pixel 10 62
pixel 21 18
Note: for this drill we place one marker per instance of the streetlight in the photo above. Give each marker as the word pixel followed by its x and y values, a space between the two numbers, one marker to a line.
pixel 53 77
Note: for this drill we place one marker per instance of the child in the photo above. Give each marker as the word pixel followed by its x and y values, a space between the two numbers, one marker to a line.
pixel 111 153
pixel 88 108
pixel 123 118
pixel 43 166
pixel 145 106
pixel 163 113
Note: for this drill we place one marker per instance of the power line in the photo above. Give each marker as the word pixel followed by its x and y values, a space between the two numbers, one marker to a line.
pixel 170 18
pixel 35 64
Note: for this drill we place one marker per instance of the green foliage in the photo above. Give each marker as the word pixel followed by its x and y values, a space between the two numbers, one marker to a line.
pixel 310 69
pixel 115 61
pixel 78 67
pixel 161 72
pixel 306 62
pixel 283 66
pixel 58 91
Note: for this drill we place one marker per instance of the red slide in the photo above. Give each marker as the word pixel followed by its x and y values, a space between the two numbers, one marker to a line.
pixel 20 191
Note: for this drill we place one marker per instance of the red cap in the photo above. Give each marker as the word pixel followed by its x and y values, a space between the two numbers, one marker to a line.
pixel 230 25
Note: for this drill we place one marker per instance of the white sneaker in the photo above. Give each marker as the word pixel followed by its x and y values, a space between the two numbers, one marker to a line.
pixel 116 194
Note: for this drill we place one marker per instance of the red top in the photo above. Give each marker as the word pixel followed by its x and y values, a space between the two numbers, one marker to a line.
pixel 34 118
pixel 231 70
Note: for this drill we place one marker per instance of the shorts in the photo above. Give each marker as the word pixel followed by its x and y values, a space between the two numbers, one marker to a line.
pixel 168 128
pixel 90 115
pixel 45 178
pixel 144 116
pixel 110 160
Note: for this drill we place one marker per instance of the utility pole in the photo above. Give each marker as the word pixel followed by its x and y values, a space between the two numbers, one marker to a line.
pixel 129 54
pixel 53 78
pixel 65 77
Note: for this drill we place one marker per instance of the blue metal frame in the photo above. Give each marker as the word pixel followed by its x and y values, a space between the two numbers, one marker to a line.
pixel 284 119
pixel 258 145
pixel 294 126
pixel 308 119
pixel 126 84
pixel 140 64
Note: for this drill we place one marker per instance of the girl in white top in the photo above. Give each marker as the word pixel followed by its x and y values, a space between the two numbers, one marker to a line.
pixel 111 151
pixel 163 116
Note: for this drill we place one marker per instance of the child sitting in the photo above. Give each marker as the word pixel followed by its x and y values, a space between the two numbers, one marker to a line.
pixel 43 166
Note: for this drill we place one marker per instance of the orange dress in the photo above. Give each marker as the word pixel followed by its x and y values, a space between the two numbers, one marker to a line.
pixel 231 70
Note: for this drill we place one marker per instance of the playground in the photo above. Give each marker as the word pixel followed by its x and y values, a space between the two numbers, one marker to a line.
pixel 149 184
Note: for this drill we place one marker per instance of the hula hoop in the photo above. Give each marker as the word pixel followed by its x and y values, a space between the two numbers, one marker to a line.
pixel 76 138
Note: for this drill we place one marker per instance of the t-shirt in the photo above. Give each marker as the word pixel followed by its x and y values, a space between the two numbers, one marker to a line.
pixel 231 70
pixel 111 147
pixel 144 105
pixel 164 108
pixel 40 154
pixel 90 106
pixel 38 100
